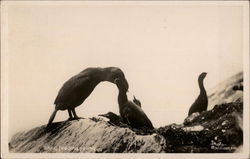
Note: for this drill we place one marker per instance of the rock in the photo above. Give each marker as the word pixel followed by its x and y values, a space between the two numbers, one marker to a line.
pixel 230 90
pixel 193 128
pixel 85 135
pixel 191 117
pixel 218 130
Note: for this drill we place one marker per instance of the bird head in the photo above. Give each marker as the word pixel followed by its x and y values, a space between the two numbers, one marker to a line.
pixel 121 85
pixel 202 75
pixel 136 101
pixel 115 73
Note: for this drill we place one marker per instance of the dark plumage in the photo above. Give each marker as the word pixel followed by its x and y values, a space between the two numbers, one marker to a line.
pixel 74 91
pixel 201 102
pixel 113 118
pixel 238 87
pixel 131 113
pixel 137 102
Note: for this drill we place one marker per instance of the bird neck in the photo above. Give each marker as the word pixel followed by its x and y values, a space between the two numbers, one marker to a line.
pixel 101 74
pixel 122 97
pixel 201 85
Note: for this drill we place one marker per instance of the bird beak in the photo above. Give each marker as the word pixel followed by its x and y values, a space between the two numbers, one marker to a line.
pixel 104 115
pixel 126 83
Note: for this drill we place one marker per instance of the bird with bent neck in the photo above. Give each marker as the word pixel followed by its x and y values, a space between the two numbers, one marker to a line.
pixel 131 113
pixel 75 90
pixel 201 102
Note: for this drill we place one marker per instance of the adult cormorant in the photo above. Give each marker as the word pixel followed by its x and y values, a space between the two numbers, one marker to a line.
pixel 201 102
pixel 74 91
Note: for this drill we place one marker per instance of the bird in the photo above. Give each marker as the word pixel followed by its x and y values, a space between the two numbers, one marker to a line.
pixel 136 101
pixel 114 119
pixel 75 90
pixel 131 113
pixel 238 87
pixel 201 103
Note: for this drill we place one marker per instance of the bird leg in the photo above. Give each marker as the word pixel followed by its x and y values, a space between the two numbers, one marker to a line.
pixel 74 113
pixel 70 115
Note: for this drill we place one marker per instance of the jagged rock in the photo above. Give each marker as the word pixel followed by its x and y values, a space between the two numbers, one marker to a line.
pixel 216 130
pixel 191 117
pixel 85 135
pixel 225 91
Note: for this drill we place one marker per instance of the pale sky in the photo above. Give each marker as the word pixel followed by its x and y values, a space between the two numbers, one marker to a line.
pixel 161 49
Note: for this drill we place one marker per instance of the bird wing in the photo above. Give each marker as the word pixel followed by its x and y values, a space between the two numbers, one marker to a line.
pixel 127 115
pixel 71 86
pixel 132 110
pixel 199 104
pixel 146 120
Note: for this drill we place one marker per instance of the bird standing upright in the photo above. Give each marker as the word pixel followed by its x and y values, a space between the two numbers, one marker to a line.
pixel 201 102
pixel 74 91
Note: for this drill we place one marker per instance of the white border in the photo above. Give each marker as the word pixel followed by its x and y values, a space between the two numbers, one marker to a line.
pixel 4 82
pixel 246 94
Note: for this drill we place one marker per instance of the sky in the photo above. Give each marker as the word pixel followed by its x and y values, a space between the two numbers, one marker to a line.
pixel 162 49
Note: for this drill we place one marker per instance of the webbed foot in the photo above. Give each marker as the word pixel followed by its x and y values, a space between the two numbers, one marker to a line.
pixel 77 118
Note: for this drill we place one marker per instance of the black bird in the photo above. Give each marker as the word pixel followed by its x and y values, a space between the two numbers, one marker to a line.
pixel 74 91
pixel 137 102
pixel 238 87
pixel 113 118
pixel 131 113
pixel 201 102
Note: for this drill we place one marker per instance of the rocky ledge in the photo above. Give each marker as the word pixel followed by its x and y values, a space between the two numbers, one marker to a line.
pixel 217 130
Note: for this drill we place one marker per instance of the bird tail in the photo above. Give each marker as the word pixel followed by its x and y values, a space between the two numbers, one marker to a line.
pixel 52 117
